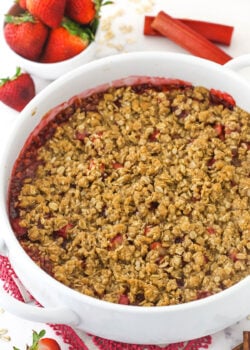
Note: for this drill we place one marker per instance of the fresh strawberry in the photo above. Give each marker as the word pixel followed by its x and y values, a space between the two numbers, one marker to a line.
pixel 25 35
pixel 17 91
pixel 49 12
pixel 81 11
pixel 48 344
pixel 65 42
pixel 41 343
pixel 22 4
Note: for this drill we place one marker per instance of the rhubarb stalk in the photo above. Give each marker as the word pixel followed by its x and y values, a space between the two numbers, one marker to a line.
pixel 188 38
pixel 216 32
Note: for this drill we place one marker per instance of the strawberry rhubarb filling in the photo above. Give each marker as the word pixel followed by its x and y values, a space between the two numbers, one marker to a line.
pixel 138 194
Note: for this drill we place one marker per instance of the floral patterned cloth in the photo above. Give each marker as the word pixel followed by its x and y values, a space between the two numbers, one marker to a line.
pixel 87 341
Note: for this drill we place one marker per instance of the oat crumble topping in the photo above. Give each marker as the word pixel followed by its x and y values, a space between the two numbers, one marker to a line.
pixel 141 197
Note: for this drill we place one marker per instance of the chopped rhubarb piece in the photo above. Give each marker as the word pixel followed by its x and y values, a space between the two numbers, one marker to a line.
pixel 195 199
pixel 155 245
pixel 116 241
pixel 81 135
pixel 188 38
pixel 233 255
pixel 211 162
pixel 147 229
pixel 219 97
pixel 216 32
pixel 93 165
pixel 154 136
pixel 63 231
pixel 206 259
pixel 210 230
pixel 203 294
pixel 123 299
pixel 220 130
pixel 102 168
pixel 96 136
pixel 117 165
pixel 158 246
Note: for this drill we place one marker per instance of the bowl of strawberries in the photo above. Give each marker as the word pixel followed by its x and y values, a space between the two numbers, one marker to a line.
pixel 50 38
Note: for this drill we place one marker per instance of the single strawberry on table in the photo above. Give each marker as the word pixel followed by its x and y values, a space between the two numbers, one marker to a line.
pixel 17 91
pixel 25 35
pixel 50 12
pixel 85 11
pixel 81 11
pixel 48 344
pixel 42 343
pixel 66 41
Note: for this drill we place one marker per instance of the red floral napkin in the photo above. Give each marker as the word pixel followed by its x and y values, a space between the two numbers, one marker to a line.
pixel 75 342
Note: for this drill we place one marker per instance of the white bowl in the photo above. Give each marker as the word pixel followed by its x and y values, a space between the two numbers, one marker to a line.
pixel 51 71
pixel 125 323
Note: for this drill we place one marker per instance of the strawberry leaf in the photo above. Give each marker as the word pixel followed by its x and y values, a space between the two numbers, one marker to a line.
pixel 74 28
pixel 100 3
pixel 18 73
pixel 93 27
pixel 36 338
pixel 107 3
pixel 6 80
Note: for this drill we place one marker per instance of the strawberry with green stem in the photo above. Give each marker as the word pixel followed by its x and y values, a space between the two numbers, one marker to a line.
pixel 66 41
pixel 25 35
pixel 17 91
pixel 85 11
pixel 42 343
pixel 50 12
pixel 81 11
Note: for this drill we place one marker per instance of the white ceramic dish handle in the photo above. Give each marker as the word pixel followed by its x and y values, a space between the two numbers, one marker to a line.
pixel 239 63
pixel 57 315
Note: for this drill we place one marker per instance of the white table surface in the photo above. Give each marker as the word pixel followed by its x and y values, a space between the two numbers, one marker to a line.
pixel 126 22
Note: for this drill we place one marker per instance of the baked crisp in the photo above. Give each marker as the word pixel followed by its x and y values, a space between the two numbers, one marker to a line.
pixel 139 195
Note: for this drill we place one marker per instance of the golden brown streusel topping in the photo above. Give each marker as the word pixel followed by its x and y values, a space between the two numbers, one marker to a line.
pixel 144 198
